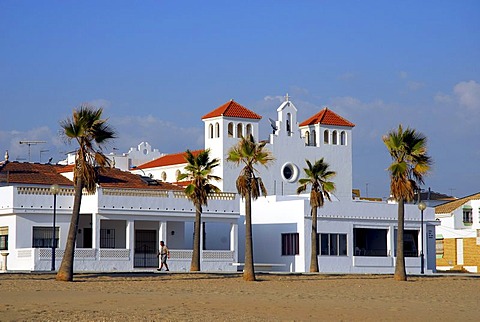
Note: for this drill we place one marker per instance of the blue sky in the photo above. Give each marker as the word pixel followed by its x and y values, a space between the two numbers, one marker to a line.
pixel 158 66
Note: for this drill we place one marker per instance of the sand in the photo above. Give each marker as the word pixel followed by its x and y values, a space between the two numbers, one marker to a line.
pixel 226 297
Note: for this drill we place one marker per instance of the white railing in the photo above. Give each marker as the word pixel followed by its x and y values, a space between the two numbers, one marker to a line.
pixel 218 255
pixel 181 254
pixel 44 191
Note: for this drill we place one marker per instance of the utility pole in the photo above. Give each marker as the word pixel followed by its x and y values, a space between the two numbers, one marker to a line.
pixel 30 143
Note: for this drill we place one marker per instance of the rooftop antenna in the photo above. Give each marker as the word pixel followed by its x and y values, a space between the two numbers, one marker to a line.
pixel 30 143
pixel 42 151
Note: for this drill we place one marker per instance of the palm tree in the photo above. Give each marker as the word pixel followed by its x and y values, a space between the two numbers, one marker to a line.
pixel 199 173
pixel 249 186
pixel 318 175
pixel 408 150
pixel 91 132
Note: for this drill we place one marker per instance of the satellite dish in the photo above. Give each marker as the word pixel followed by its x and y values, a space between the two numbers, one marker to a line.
pixel 272 124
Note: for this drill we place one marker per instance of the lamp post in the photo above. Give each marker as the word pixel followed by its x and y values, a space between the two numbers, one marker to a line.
pixel 422 207
pixel 54 189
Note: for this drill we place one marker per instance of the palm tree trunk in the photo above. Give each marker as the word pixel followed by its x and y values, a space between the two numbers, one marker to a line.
pixel 400 274
pixel 65 272
pixel 195 265
pixel 314 243
pixel 248 270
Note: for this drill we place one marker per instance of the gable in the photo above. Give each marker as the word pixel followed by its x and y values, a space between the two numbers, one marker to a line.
pixel 327 117
pixel 232 109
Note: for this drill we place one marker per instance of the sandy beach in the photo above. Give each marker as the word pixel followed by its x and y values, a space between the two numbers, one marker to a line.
pixel 222 297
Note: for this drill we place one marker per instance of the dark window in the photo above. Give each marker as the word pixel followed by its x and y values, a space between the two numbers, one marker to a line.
pixel 410 239
pixel 333 244
pixel 370 242
pixel 43 236
pixel 290 244
pixel 467 215
pixel 107 238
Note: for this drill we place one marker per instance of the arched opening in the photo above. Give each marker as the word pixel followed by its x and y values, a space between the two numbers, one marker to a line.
pixel 334 138
pixel 230 130
pixel 343 138
pixel 164 176
pixel 217 130
pixel 289 124
pixel 177 173
pixel 314 138
pixel 248 131
pixel 325 136
pixel 307 138
pixel 210 131
pixel 239 130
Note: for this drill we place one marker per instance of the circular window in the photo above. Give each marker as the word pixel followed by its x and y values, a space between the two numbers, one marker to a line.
pixel 289 172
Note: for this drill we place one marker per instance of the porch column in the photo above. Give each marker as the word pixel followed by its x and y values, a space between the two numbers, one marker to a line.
pixel 162 232
pixel 234 241
pixel 130 235
pixel 96 230
pixel 202 245
pixel 391 241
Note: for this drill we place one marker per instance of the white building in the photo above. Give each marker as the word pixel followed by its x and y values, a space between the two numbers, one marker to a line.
pixel 120 226
pixel 355 236
pixel 458 236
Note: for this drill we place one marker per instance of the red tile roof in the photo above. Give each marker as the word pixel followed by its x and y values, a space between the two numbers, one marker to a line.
pixel 169 159
pixel 327 117
pixel 232 109
pixel 48 174
pixel 32 173
pixel 116 178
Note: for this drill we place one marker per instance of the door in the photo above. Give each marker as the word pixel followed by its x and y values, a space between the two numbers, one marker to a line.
pixel 87 237
pixel 146 248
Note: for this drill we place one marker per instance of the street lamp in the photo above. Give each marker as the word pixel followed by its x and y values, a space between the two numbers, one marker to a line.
pixel 422 207
pixel 54 189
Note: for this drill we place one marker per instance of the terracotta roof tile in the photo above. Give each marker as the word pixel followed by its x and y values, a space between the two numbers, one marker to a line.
pixel 169 159
pixel 116 178
pixel 33 173
pixel 48 174
pixel 232 109
pixel 452 205
pixel 327 117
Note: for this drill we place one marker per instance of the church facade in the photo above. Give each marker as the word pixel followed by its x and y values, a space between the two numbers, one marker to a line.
pixel 354 236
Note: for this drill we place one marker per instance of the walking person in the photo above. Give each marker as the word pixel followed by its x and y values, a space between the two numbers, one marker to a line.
pixel 164 253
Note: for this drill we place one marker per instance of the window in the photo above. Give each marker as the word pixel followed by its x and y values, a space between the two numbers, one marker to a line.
pixel 177 173
pixel 230 130
pixel 333 244
pixel 314 138
pixel 467 215
pixel 210 131
pixel 164 176
pixel 334 137
pixel 290 244
pixel 343 138
pixel 217 130
pixel 289 127
pixel 3 238
pixel 410 240
pixel 307 138
pixel 325 136
pixel 42 237
pixel 370 242
pixel 107 238
pixel 249 129
pixel 239 130
pixel 439 246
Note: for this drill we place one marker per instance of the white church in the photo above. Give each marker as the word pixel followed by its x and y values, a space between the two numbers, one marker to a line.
pixel 122 224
